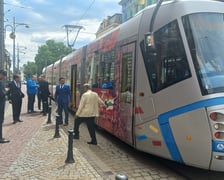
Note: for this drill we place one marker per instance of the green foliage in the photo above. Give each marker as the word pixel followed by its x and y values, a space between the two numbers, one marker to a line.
pixel 29 69
pixel 50 53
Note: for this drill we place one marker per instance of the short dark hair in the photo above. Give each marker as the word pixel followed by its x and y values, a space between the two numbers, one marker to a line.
pixel 61 78
pixel 16 76
pixel 3 72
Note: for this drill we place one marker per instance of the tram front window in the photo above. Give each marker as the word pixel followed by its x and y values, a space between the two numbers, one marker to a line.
pixel 204 32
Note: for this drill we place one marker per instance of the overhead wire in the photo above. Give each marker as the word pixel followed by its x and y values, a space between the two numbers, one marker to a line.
pixel 86 11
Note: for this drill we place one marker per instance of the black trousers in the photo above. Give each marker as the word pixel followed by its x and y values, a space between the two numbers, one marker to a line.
pixel 31 100
pixel 16 108
pixel 39 99
pixel 2 112
pixel 44 100
pixel 90 122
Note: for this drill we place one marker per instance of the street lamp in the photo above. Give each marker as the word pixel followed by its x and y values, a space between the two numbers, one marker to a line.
pixel 2 48
pixel 13 37
pixel 19 48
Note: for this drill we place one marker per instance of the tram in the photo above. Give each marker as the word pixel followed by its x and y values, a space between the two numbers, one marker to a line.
pixel 165 68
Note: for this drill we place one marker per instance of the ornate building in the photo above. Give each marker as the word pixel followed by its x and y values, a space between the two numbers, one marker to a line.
pixel 129 9
pixel 132 7
pixel 109 23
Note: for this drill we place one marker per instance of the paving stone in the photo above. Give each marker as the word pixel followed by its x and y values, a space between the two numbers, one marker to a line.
pixel 33 154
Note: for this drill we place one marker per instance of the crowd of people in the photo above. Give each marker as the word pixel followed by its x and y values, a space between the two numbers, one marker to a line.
pixel 87 111
pixel 14 94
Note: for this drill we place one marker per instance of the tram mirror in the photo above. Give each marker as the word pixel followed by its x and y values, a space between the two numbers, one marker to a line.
pixel 149 42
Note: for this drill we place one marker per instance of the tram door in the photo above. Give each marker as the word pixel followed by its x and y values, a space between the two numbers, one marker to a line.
pixel 126 92
pixel 74 88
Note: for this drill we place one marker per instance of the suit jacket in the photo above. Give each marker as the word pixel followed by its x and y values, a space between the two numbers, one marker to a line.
pixel 62 95
pixel 2 92
pixel 43 88
pixel 89 105
pixel 15 92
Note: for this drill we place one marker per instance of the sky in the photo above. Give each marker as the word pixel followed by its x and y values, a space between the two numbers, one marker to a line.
pixel 46 20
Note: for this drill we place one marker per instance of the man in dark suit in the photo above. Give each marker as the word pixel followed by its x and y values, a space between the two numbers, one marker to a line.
pixel 15 96
pixel 44 93
pixel 39 95
pixel 2 104
pixel 63 99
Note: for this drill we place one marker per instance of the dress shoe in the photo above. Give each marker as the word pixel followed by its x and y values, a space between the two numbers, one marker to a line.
pixel 14 122
pixel 66 124
pixel 20 120
pixel 4 140
pixel 75 137
pixel 60 122
pixel 44 114
pixel 92 142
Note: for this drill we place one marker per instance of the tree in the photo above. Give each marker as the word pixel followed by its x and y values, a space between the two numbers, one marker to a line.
pixel 29 69
pixel 50 53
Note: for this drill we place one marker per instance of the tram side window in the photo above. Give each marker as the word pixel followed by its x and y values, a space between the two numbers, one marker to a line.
pixel 126 81
pixel 169 65
pixel 107 70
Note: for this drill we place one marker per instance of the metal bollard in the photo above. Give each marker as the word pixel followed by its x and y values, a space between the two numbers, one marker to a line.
pixel 57 135
pixel 121 177
pixel 2 140
pixel 49 114
pixel 70 147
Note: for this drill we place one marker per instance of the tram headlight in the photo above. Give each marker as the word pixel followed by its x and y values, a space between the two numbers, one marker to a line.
pixel 214 116
pixel 219 126
pixel 216 126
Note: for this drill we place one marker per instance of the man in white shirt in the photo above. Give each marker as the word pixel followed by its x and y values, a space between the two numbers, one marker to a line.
pixel 87 111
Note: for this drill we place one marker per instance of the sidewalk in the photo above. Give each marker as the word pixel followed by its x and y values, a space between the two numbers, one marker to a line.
pixel 33 153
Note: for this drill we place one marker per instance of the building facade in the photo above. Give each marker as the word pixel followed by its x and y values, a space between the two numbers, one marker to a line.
pixel 109 23
pixel 132 7
pixel 129 9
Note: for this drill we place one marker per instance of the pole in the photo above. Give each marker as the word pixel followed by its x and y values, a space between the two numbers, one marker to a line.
pixel 2 48
pixel 70 158
pixel 49 114
pixel 121 177
pixel 14 47
pixel 57 134
pixel 17 57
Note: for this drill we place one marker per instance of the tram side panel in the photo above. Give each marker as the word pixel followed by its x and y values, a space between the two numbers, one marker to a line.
pixel 193 138
pixel 100 67
pixel 179 130
pixel 73 68
pixel 147 132
pixel 111 58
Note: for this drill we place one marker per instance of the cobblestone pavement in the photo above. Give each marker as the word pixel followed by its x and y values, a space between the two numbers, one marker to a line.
pixel 33 154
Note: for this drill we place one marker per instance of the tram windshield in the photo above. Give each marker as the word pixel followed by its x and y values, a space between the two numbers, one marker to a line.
pixel 205 36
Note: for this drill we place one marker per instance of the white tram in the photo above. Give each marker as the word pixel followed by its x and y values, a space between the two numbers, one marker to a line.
pixel 166 68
